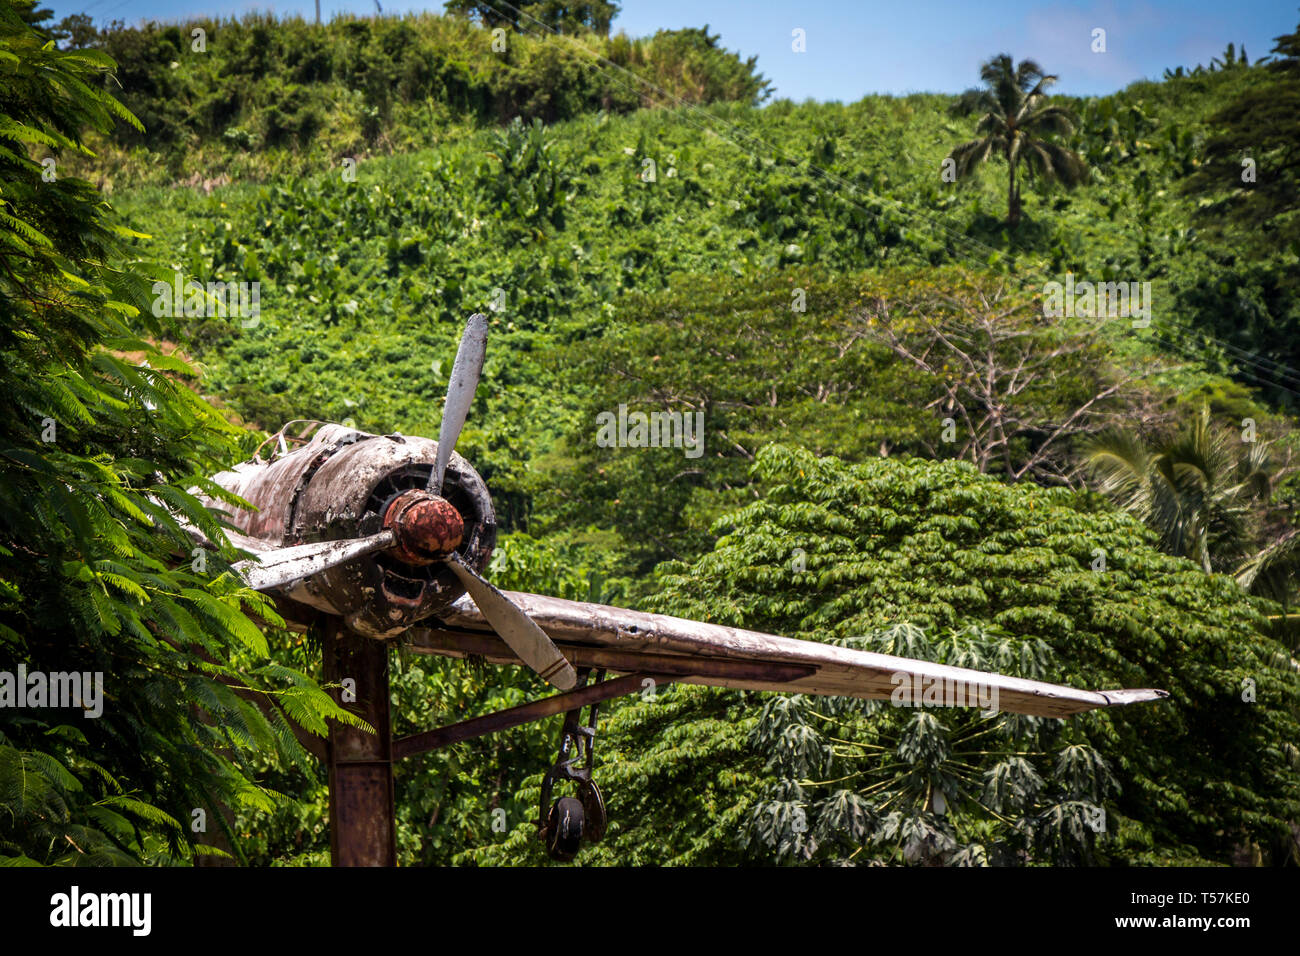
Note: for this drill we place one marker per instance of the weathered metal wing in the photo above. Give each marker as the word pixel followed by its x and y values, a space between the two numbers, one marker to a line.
pixel 692 652
pixel 277 568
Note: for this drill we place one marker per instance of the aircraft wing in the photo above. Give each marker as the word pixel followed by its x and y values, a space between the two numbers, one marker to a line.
pixel 693 652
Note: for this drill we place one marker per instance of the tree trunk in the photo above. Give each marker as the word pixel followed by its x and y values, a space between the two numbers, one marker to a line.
pixel 1013 196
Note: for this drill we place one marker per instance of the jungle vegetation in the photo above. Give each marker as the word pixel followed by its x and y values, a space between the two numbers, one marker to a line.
pixel 964 478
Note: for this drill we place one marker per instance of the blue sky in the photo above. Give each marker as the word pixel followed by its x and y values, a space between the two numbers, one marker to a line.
pixel 855 47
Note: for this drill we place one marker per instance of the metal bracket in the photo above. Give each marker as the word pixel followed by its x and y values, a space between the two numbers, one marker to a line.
pixel 524 714
pixel 577 743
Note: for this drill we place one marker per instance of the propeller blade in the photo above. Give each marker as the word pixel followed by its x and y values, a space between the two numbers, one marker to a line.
pixel 516 628
pixel 460 393
pixel 283 566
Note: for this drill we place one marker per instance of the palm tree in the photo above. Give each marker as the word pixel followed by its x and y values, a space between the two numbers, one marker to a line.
pixel 1016 119
pixel 1206 494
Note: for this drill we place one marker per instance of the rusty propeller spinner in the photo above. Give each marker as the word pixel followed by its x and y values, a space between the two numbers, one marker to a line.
pixel 420 527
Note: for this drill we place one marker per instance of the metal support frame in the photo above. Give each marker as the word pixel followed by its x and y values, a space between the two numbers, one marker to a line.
pixel 362 814
pixel 523 714
pixel 363 821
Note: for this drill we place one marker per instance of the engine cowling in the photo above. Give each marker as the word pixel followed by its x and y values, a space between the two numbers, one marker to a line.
pixel 349 484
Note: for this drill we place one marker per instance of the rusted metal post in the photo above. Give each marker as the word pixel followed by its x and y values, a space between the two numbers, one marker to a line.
pixel 362 820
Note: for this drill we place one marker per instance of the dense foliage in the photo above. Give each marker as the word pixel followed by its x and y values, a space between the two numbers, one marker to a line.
pixel 563 220
pixel 934 362
pixel 803 276
pixel 1248 192
pixel 103 446
pixel 262 96
pixel 1208 491
pixel 553 14
pixel 932 560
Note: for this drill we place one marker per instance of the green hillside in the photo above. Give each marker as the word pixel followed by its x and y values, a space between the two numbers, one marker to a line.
pixel 881 390
pixel 566 222
pixel 263 96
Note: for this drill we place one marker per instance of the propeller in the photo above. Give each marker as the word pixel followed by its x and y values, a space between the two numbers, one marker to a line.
pixel 421 527
pixel 516 628
pixel 460 393
pixel 512 625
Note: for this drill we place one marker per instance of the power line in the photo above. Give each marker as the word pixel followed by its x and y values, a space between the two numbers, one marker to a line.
pixel 1186 353
pixel 1280 372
